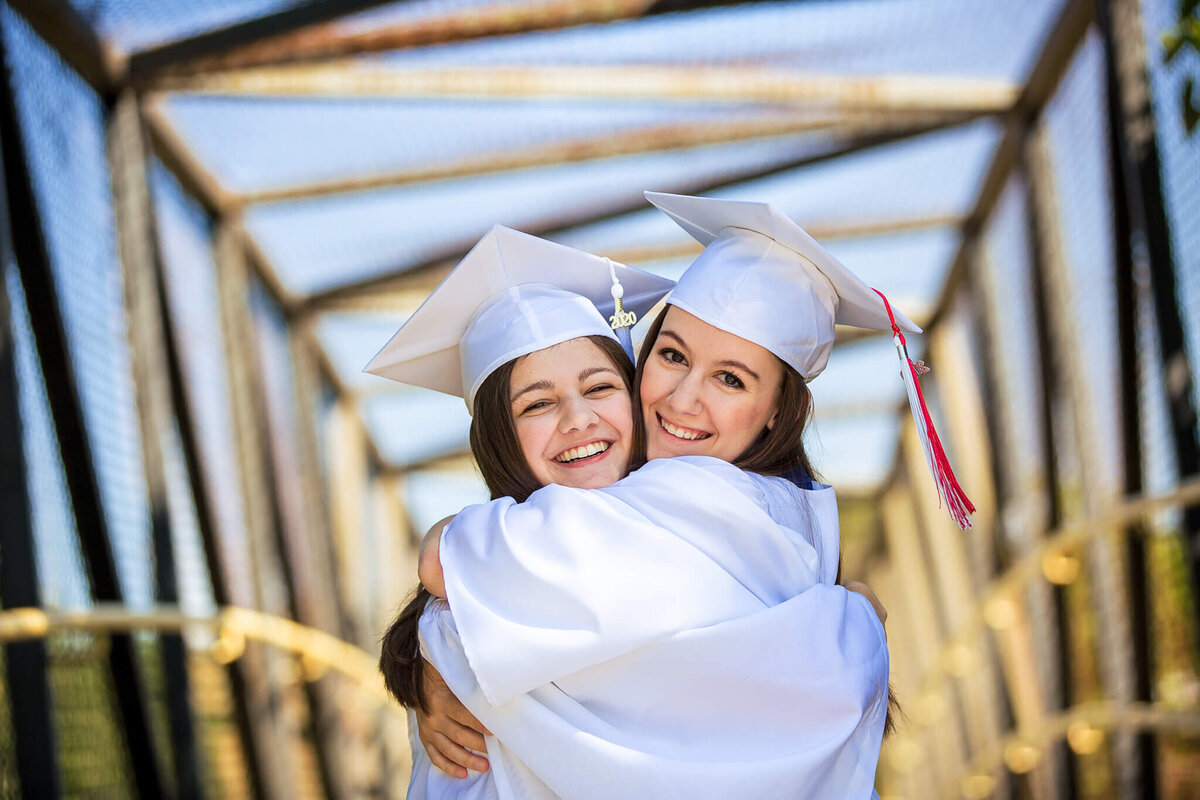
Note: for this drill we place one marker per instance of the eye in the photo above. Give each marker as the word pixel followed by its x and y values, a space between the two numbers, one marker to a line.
pixel 537 405
pixel 601 388
pixel 672 355
pixel 730 380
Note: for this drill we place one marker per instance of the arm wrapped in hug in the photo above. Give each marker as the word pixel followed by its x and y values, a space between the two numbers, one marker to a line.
pixel 574 577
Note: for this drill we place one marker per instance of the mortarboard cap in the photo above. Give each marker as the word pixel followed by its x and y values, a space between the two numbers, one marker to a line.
pixel 512 295
pixel 763 278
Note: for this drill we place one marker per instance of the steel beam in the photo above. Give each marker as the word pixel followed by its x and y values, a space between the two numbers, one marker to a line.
pixel 334 39
pixel 1061 695
pixel 33 263
pixel 1065 37
pixel 172 56
pixel 179 160
pixel 440 263
pixel 1149 242
pixel 637 141
pixel 737 85
pixel 26 674
pixel 1129 231
pixel 138 248
pixel 60 26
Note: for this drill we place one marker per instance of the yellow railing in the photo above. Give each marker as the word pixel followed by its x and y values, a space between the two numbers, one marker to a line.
pixel 1084 727
pixel 229 628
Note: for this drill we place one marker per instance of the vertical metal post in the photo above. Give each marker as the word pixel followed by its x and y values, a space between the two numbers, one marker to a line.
pixel 990 391
pixel 1068 780
pixel 1130 256
pixel 301 606
pixel 1134 144
pixel 271 733
pixel 26 675
pixel 274 551
pixel 33 263
pixel 135 237
pixel 180 406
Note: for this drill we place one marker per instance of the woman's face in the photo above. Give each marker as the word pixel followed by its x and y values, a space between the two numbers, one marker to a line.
pixel 572 415
pixel 706 392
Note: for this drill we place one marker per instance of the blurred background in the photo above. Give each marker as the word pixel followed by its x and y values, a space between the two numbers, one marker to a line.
pixel 215 213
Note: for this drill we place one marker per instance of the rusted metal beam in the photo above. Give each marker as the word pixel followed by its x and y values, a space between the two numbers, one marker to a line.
pixel 61 26
pixel 720 84
pixel 657 138
pixel 152 377
pixel 175 155
pixel 423 277
pixel 336 39
pixel 175 55
pixel 263 268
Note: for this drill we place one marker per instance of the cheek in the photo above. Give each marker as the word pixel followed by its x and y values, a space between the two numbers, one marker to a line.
pixel 533 438
pixel 746 419
pixel 653 384
pixel 618 412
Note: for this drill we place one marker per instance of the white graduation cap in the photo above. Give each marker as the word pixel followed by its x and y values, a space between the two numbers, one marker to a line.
pixel 513 294
pixel 763 278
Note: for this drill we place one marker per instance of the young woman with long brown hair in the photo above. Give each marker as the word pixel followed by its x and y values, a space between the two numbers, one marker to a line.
pixel 517 330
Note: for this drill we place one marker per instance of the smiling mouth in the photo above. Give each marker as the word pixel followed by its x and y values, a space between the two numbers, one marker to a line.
pixel 686 434
pixel 582 452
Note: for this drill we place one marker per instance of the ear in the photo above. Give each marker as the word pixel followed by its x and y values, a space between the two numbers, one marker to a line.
pixel 771 421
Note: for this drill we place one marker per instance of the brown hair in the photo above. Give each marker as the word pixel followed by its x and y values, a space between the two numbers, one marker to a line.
pixel 497 451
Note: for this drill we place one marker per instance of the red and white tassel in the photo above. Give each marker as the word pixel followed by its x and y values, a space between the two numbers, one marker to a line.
pixel 956 500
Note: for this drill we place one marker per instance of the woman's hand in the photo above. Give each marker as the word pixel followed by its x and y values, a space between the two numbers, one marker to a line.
pixel 448 729
pixel 861 588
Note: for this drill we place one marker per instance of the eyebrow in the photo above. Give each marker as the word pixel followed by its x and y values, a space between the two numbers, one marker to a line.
pixel 548 385
pixel 729 362
pixel 536 385
pixel 590 371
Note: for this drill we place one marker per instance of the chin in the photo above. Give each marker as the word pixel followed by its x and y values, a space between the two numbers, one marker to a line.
pixel 592 480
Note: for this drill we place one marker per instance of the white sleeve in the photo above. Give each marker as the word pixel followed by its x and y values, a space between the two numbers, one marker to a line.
pixel 574 577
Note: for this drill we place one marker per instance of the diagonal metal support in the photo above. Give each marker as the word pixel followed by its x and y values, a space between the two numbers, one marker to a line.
pixel 1064 39
pixel 174 55
pixel 26 677
pixel 45 313
pixel 60 25
pixel 334 39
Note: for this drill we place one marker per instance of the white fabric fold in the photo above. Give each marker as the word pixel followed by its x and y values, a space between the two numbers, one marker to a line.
pixel 674 635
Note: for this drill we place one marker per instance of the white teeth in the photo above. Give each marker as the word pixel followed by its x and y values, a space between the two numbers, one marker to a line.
pixel 576 453
pixel 680 433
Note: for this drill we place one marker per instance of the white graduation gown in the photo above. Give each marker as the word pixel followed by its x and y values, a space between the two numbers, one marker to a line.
pixel 675 635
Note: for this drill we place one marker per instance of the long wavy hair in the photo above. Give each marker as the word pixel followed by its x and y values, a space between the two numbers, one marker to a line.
pixel 497 451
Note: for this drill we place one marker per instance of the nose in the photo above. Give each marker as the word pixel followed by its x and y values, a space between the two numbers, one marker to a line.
pixel 685 397
pixel 577 415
